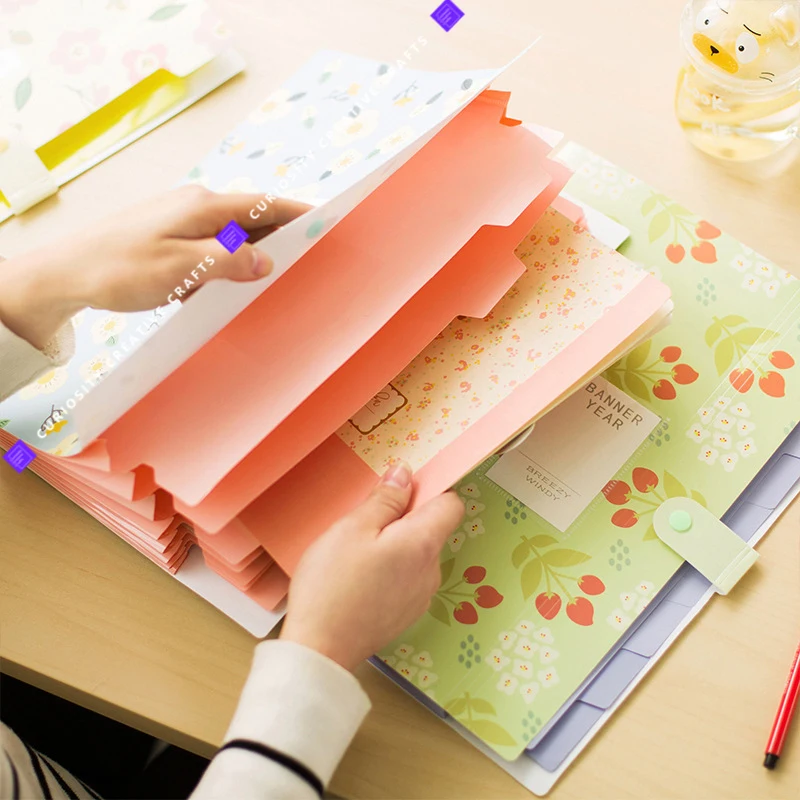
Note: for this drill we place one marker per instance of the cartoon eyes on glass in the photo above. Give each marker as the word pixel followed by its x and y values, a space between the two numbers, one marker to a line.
pixel 707 17
pixel 746 48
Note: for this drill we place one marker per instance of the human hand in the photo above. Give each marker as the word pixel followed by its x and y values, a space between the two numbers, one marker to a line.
pixel 137 260
pixel 372 574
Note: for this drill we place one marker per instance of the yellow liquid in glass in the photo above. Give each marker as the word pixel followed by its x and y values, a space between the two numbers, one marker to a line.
pixel 735 126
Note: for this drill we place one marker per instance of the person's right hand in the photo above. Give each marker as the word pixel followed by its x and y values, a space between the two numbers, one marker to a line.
pixel 372 574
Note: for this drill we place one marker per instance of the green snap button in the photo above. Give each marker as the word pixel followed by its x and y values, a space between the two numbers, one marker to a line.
pixel 680 521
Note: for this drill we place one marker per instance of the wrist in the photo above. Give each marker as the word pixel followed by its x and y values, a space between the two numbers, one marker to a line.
pixel 325 646
pixel 38 297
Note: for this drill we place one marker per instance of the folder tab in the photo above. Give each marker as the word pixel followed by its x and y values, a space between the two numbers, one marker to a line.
pixel 24 179
pixel 696 535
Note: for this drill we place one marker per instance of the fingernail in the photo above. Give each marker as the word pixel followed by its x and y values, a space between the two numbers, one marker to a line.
pixel 261 264
pixel 398 475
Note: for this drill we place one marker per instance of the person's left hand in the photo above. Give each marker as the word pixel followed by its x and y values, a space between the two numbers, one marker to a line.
pixel 137 260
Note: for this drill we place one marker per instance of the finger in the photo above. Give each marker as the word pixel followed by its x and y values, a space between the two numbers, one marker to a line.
pixel 207 213
pixel 246 263
pixel 427 528
pixel 387 502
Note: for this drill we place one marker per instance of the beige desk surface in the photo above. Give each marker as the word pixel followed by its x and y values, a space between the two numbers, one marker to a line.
pixel 88 618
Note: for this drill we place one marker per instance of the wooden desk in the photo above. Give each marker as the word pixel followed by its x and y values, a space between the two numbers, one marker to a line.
pixel 86 617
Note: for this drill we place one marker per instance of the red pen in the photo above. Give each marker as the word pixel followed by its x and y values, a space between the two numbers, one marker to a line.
pixel 784 716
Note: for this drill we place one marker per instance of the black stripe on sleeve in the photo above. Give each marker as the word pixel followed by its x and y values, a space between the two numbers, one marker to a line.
pixel 37 768
pixel 88 789
pixel 65 787
pixel 302 771
pixel 14 776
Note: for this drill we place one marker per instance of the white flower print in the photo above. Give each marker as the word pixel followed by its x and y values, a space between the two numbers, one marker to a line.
pixel 785 276
pixel 470 490
pixel 455 541
pixel 406 670
pixel 548 678
pixel 349 129
pixel 706 415
pixel 723 422
pixel 97 368
pixel 525 648
pixel 722 440
pixel 395 141
pixel 628 600
pixel 507 683
pixel 722 403
pixel 390 661
pixel 543 635
pixel 241 184
pixel 45 384
pixel 747 447
pixel 345 160
pixel 547 654
pixel 745 426
pixel 522 668
pixel 741 264
pixel 641 605
pixel 763 270
pixel 587 170
pixel 404 651
pixel 426 679
pixel 697 433
pixel 771 288
pixel 741 409
pixel 496 660
pixel 645 588
pixel 728 461
pixel 106 327
pixel 529 691
pixel 708 454
pixel 618 620
pixel 473 508
pixel 507 639
pixel 609 174
pixel 525 627
pixel 615 192
pixel 305 194
pixel 275 106
pixel 423 659
pixel 65 446
pixel 474 527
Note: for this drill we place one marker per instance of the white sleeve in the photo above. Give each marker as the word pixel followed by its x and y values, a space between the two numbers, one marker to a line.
pixel 21 363
pixel 298 703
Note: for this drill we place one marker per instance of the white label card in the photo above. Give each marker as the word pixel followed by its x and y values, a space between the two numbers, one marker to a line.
pixel 573 451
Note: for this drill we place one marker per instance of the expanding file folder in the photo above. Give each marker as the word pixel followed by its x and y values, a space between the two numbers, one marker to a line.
pixel 442 296
pixel 81 80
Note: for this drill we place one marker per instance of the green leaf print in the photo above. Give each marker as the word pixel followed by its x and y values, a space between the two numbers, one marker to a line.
pixel 4 422
pixel 659 225
pixel 713 333
pixel 480 706
pixel 23 93
pixel 456 707
pixel 650 533
pixel 543 540
pixel 490 732
pixel 649 206
pixel 325 76
pixel 639 355
pixel 732 320
pixel 521 552
pixel 166 12
pixel 564 558
pixel 724 355
pixel 636 386
pixel 672 486
pixel 749 336
pixel 531 577
pixel 438 610
pixel 447 569
pixel 698 498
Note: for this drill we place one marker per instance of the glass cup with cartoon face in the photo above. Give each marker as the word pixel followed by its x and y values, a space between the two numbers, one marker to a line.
pixel 738 94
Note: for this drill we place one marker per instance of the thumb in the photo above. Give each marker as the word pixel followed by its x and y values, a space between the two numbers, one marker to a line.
pixel 387 502
pixel 246 263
